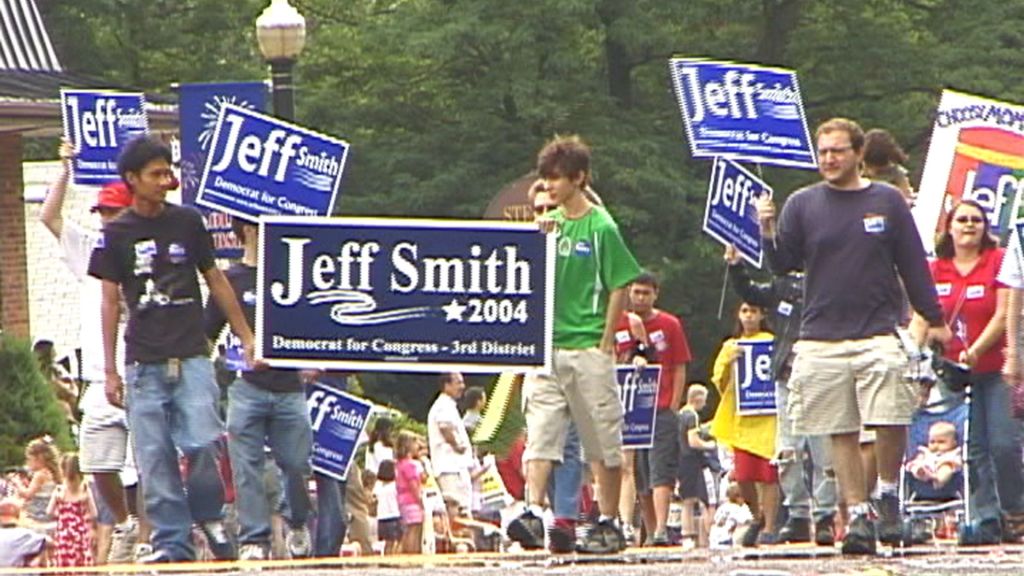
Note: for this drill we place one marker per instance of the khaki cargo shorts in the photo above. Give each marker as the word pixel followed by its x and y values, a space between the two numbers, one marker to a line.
pixel 582 388
pixel 838 387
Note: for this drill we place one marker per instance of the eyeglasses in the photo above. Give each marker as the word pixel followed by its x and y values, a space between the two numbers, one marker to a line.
pixel 971 219
pixel 834 151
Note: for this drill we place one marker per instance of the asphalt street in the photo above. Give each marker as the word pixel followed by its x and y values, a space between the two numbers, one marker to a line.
pixel 771 561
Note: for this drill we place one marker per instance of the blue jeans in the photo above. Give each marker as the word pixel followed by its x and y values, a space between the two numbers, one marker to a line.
pixel 792 471
pixel 257 417
pixel 331 516
pixel 168 415
pixel 566 478
pixel 997 481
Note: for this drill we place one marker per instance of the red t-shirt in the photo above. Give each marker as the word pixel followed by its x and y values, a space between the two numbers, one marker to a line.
pixel 976 295
pixel 665 334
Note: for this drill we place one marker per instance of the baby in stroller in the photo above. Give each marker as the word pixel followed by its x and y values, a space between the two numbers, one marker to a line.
pixel 940 460
pixel 934 482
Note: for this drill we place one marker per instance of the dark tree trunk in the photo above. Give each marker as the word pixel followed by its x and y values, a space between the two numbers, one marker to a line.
pixel 780 19
pixel 620 67
pixel 620 73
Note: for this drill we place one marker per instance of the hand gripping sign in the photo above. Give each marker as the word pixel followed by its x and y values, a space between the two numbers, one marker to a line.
pixel 338 420
pixel 99 123
pixel 755 388
pixel 259 165
pixel 404 295
pixel 742 111
pixel 638 391
pixel 730 216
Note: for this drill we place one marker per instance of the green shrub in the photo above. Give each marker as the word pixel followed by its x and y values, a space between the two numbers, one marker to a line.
pixel 28 404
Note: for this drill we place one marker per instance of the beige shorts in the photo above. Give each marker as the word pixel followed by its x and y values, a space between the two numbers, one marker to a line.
pixel 838 387
pixel 582 388
pixel 457 487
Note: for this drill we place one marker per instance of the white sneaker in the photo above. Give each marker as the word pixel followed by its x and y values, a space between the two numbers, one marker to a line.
pixel 155 557
pixel 252 552
pixel 142 550
pixel 629 533
pixel 298 542
pixel 122 542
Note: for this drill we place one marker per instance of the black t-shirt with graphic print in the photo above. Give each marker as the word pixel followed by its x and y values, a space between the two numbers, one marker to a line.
pixel 155 260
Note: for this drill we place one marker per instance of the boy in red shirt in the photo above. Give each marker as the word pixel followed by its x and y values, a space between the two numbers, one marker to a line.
pixel 665 345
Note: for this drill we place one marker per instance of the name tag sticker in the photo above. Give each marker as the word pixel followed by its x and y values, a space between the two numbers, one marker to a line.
pixel 976 291
pixel 622 336
pixel 944 289
pixel 874 224
pixel 785 308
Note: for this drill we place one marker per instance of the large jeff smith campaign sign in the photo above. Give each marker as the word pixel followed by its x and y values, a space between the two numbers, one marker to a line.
pixel 412 295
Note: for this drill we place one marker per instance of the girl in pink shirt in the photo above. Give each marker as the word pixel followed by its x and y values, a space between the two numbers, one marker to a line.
pixel 408 478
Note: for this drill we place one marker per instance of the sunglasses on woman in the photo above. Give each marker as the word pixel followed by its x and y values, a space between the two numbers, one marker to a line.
pixel 971 219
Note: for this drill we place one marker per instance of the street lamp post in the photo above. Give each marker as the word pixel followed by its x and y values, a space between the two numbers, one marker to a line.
pixel 281 32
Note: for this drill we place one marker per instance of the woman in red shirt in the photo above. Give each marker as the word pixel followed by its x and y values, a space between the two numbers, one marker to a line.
pixel 974 303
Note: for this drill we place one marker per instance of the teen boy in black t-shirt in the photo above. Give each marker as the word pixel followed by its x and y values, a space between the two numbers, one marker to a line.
pixel 151 254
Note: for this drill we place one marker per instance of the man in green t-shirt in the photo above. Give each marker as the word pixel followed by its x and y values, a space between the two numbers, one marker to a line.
pixel 592 272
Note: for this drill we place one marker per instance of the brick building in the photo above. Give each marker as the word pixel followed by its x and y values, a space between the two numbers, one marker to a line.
pixel 36 301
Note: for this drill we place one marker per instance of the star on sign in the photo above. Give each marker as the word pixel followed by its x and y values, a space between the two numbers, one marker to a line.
pixel 453 311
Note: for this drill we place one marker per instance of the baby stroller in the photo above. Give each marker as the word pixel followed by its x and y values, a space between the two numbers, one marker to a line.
pixel 925 508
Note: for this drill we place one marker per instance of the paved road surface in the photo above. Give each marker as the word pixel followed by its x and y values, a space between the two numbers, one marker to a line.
pixel 773 561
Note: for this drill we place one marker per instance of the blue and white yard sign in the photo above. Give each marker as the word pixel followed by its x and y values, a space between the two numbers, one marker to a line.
pixel 755 388
pixel 730 216
pixel 638 391
pixel 99 123
pixel 258 165
pixel 338 420
pixel 404 295
pixel 198 111
pixel 742 111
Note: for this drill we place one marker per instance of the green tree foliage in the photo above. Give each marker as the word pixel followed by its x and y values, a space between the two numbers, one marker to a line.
pixel 30 405
pixel 152 44
pixel 444 101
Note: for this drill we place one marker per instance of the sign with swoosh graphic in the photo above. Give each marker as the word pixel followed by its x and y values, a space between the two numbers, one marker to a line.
pixel 259 165
pixel 404 294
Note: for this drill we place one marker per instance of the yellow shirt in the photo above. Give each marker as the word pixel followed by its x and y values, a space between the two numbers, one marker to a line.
pixel 754 434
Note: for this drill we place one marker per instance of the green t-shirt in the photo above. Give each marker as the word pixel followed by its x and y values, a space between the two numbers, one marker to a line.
pixel 592 260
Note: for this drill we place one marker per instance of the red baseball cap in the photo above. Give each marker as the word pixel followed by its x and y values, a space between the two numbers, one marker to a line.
pixel 113 195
